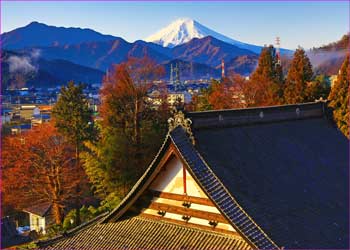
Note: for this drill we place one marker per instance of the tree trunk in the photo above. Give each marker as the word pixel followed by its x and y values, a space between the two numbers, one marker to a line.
pixel 57 211
pixel 77 210
pixel 137 136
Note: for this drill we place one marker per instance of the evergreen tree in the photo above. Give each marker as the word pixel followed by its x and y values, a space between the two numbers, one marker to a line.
pixel 339 98
pixel 266 83
pixel 73 117
pixel 299 75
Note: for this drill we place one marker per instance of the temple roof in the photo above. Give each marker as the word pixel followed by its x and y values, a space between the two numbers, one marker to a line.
pixel 279 175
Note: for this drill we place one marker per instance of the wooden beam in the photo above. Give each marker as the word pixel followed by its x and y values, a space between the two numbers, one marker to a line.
pixel 184 178
pixel 180 197
pixel 188 212
pixel 184 223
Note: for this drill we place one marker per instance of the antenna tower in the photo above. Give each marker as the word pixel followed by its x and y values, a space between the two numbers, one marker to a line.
pixel 171 74
pixel 278 53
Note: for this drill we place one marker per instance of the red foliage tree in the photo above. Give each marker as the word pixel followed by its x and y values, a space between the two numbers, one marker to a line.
pixel 227 94
pixel 134 123
pixel 39 167
pixel 124 93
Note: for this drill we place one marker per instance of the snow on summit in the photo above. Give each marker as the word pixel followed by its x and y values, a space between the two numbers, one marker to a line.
pixel 185 29
pixel 178 32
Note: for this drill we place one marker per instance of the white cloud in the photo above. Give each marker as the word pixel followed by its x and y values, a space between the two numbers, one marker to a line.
pixel 20 64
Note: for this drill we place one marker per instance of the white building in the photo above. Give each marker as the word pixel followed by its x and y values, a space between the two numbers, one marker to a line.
pixel 40 217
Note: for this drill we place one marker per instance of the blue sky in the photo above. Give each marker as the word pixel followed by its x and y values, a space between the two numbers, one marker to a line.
pixel 306 24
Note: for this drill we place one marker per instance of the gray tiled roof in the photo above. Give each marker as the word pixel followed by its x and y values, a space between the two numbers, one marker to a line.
pixel 40 209
pixel 143 233
pixel 288 171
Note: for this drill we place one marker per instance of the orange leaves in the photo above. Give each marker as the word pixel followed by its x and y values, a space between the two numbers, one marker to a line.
pixel 38 165
pixel 227 94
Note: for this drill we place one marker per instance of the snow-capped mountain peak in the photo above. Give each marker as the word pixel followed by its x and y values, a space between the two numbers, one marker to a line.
pixel 183 30
pixel 178 32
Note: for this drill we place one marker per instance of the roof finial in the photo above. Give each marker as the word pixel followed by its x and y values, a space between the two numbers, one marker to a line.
pixel 179 119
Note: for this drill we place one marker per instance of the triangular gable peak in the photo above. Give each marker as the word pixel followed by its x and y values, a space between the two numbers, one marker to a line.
pixel 175 196
pixel 172 194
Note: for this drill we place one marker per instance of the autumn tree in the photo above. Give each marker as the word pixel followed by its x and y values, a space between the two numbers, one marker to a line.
pixel 133 126
pixel 224 94
pixel 266 83
pixel 339 98
pixel 299 75
pixel 39 167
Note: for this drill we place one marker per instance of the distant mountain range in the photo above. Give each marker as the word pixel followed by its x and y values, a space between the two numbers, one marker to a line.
pixel 101 55
pixel 93 50
pixel 84 54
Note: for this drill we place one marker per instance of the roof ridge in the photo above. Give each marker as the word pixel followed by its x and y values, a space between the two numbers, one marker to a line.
pixel 239 117
pixel 258 108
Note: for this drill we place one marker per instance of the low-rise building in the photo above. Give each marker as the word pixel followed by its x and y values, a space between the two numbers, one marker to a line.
pixel 40 217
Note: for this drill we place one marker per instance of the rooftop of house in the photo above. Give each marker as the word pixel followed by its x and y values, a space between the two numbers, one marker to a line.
pixel 40 209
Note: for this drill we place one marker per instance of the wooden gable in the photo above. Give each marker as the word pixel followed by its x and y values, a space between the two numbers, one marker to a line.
pixel 174 195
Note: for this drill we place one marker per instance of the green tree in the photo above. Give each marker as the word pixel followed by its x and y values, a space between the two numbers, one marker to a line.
pixel 73 118
pixel 319 88
pixel 339 98
pixel 266 83
pixel 299 75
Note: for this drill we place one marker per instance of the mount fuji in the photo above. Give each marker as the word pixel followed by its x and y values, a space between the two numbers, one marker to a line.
pixel 184 30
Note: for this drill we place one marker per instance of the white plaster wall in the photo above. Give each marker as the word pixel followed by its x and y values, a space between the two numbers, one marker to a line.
pixel 34 223
pixel 170 180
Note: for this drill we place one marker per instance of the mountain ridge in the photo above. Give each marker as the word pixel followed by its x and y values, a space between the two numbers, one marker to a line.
pixel 31 35
pixel 101 55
